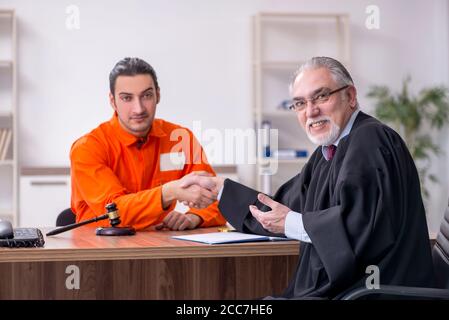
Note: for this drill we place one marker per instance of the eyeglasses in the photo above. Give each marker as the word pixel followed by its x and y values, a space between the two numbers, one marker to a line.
pixel 319 98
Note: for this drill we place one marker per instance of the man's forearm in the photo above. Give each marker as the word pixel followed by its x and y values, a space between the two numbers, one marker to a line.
pixel 168 194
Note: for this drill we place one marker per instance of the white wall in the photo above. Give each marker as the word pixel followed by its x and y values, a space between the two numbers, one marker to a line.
pixel 201 50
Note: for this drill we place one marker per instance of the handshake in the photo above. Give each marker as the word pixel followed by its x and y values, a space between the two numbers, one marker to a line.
pixel 198 190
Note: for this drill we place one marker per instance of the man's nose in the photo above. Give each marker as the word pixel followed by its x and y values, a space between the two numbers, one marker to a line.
pixel 138 106
pixel 312 110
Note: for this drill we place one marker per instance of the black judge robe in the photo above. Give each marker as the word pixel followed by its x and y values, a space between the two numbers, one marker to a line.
pixel 361 208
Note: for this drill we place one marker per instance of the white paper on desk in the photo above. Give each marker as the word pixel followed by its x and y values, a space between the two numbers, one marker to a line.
pixel 226 237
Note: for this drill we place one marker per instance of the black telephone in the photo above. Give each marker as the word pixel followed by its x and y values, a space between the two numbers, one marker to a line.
pixel 19 237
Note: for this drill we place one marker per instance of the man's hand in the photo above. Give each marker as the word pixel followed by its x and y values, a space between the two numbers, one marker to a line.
pixel 204 180
pixel 179 221
pixel 274 220
pixel 198 195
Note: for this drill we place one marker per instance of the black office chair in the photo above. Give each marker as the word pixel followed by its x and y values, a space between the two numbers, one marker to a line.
pixel 65 218
pixel 440 256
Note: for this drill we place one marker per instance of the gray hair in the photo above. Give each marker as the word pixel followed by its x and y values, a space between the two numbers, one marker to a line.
pixel 337 70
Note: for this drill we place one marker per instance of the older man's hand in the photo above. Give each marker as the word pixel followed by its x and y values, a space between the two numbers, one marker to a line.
pixel 274 220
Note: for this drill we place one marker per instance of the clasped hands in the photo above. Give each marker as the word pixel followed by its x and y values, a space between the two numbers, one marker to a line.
pixel 197 190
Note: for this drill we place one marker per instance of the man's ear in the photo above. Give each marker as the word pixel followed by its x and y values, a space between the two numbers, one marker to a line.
pixel 112 101
pixel 352 96
pixel 158 95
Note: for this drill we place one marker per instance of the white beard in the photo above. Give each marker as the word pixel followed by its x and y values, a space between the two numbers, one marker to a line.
pixel 326 138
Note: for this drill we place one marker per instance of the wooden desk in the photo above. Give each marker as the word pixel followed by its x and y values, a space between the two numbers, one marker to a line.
pixel 149 265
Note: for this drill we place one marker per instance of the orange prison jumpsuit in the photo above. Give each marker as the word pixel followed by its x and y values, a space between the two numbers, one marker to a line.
pixel 107 165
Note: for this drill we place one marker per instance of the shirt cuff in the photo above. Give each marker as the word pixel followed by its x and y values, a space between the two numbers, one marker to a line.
pixel 294 227
pixel 220 192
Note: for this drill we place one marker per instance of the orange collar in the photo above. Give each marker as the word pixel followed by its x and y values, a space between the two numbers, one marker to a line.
pixel 128 139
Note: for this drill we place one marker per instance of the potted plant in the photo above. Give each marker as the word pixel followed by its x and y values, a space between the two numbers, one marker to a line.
pixel 413 117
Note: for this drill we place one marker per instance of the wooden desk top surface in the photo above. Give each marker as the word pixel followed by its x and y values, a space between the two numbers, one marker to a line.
pixel 82 244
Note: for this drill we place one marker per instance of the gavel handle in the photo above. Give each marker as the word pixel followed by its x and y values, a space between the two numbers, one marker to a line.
pixel 76 225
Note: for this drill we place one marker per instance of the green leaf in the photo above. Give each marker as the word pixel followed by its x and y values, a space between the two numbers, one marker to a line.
pixel 438 98
pixel 408 112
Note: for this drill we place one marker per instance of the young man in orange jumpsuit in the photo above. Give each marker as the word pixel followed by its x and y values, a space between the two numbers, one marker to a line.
pixel 139 162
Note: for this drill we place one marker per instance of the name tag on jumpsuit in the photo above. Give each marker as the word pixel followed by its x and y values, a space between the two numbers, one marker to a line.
pixel 172 161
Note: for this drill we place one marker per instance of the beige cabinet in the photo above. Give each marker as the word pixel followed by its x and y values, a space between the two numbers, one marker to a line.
pixel 42 198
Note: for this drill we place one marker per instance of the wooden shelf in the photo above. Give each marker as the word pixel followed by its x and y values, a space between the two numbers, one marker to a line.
pixel 6 63
pixel 281 65
pixel 279 114
pixel 8 14
pixel 5 114
pixel 283 16
pixel 285 161
pixel 6 162
pixel 5 212
pixel 293 161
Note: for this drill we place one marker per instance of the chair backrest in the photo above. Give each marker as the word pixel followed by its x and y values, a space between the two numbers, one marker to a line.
pixel 440 253
pixel 65 218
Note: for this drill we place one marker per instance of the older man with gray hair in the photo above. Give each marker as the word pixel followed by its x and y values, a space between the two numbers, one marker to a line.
pixel 355 204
